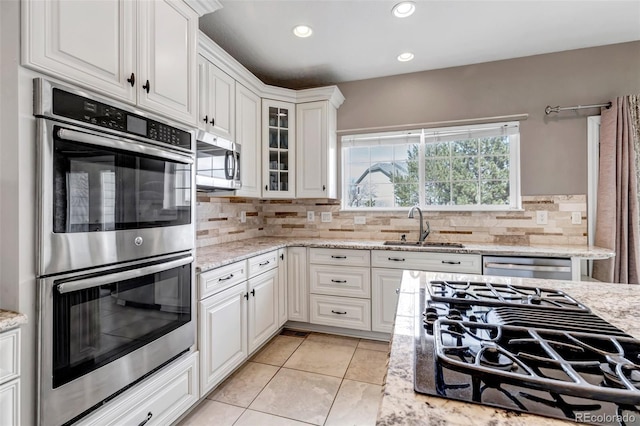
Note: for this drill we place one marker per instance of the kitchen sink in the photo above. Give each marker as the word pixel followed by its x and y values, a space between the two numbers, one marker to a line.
pixel 422 244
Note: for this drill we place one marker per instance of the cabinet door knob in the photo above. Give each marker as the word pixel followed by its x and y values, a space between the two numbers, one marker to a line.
pixel 324 188
pixel 246 296
pixel 282 256
pixel 213 121
pixel 132 79
pixel 147 86
pixel 253 292
pixel 206 119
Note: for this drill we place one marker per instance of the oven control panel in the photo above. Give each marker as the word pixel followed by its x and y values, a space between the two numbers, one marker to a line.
pixel 87 110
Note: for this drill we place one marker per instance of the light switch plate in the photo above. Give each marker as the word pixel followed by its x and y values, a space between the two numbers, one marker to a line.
pixel 359 220
pixel 311 216
pixel 325 217
pixel 243 217
pixel 576 218
pixel 542 217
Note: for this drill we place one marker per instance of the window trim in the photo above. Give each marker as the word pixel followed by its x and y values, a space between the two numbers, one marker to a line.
pixel 515 195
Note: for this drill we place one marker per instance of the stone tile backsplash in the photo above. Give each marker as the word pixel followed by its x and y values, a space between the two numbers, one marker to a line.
pixel 218 220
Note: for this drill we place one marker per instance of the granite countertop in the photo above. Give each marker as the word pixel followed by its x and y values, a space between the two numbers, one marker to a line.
pixel 214 256
pixel 11 319
pixel 400 405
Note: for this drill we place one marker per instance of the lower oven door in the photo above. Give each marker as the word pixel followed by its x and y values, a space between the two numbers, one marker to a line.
pixel 105 329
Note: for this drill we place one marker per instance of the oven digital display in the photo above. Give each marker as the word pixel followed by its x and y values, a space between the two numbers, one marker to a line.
pixel 136 125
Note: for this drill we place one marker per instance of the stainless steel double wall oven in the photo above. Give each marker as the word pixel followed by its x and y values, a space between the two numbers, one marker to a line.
pixel 116 239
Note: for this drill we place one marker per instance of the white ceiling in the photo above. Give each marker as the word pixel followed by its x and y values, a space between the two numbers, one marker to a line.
pixel 360 39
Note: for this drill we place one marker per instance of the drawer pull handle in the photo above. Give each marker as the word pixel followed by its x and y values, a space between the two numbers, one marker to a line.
pixel 339 312
pixel 396 259
pixel 338 257
pixel 450 262
pixel 264 263
pixel 144 422
pixel 339 281
pixel 228 277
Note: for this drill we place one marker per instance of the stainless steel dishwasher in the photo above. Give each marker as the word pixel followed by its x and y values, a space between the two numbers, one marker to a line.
pixel 527 267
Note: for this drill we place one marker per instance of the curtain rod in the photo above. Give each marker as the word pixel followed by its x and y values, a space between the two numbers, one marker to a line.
pixel 549 109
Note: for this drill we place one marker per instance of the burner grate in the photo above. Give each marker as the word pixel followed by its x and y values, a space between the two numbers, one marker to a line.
pixel 491 294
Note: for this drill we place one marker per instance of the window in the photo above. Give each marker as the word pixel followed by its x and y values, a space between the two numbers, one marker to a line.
pixel 454 168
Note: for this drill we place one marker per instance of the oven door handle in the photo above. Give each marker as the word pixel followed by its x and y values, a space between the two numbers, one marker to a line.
pixel 75 136
pixel 86 283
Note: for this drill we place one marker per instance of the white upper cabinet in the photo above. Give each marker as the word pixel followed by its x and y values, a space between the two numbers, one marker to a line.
pixel 217 97
pixel 248 137
pixel 167 33
pixel 141 52
pixel 278 152
pixel 316 154
pixel 92 42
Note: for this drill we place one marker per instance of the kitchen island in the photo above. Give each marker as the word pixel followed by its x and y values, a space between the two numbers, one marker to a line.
pixel 400 405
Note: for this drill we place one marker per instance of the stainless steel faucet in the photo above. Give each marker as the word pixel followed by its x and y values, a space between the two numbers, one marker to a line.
pixel 423 234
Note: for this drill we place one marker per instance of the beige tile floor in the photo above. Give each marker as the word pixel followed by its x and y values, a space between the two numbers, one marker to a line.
pixel 301 379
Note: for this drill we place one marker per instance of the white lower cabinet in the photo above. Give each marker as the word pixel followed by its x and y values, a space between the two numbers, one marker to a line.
pixel 347 312
pixel 263 308
pixel 158 400
pixel 237 320
pixel 222 335
pixel 384 298
pixel 282 287
pixel 10 403
pixel 340 286
pixel 297 284
pixel 10 377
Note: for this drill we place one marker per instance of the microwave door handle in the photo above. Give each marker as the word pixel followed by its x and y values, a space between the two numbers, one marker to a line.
pixel 86 283
pixel 229 172
pixel 75 136
pixel 236 173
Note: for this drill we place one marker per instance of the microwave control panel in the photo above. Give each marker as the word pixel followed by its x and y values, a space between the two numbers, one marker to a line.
pixel 87 110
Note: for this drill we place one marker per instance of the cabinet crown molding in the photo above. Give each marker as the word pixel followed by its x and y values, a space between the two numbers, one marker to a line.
pixel 202 7
pixel 227 63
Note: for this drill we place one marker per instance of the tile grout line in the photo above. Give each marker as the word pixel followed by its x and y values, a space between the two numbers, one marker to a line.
pixel 341 382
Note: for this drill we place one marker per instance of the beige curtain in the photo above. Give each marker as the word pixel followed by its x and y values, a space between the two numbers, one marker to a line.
pixel 617 210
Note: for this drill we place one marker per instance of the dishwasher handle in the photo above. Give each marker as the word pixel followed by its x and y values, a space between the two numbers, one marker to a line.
pixel 524 267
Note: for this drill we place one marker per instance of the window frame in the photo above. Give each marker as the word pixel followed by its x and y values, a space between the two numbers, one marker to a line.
pixel 515 196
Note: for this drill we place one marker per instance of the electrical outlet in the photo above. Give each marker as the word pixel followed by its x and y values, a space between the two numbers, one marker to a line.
pixel 325 217
pixel 576 218
pixel 311 216
pixel 359 220
pixel 243 217
pixel 542 217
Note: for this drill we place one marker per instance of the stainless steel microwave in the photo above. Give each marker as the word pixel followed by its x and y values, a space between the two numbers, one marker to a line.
pixel 218 163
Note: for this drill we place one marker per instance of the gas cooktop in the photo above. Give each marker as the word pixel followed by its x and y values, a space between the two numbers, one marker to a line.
pixel 526 349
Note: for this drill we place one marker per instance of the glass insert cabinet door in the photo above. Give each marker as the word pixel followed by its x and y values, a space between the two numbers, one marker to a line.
pixel 278 140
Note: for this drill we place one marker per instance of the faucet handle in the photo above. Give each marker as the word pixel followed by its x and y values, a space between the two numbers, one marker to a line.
pixel 428 230
pixel 403 237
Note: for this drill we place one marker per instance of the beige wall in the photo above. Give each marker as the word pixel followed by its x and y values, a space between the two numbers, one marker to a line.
pixel 553 148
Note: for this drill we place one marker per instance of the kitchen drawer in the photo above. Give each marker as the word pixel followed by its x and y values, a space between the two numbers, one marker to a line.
pixel 162 398
pixel 264 262
pixel 216 280
pixel 340 257
pixel 9 355
pixel 344 312
pixel 350 281
pixel 427 261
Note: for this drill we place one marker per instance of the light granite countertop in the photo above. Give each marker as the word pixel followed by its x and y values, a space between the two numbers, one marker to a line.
pixel 400 405
pixel 11 319
pixel 214 256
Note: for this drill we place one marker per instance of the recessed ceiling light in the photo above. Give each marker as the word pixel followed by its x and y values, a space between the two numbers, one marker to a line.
pixel 302 31
pixel 406 56
pixel 404 9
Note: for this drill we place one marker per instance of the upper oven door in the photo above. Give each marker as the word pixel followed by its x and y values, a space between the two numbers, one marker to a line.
pixel 105 199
